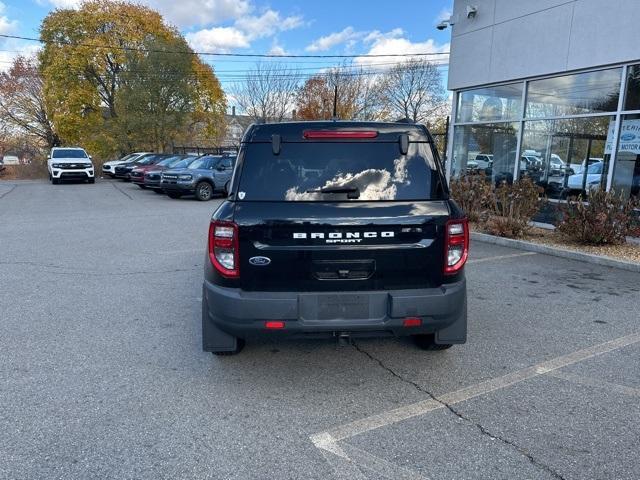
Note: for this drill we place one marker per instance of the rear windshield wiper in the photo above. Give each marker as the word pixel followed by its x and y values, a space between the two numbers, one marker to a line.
pixel 352 192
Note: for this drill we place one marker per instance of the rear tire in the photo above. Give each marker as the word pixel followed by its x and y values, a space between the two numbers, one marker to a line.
pixel 174 194
pixel 142 186
pixel 55 181
pixel 92 180
pixel 158 191
pixel 427 342
pixel 204 191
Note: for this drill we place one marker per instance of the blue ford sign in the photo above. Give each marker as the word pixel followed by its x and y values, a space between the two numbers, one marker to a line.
pixel 628 137
pixel 260 261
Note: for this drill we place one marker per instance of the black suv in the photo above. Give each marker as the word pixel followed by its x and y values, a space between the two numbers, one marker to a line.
pixel 336 229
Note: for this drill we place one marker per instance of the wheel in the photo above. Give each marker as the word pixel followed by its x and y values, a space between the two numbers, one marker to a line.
pixel 238 349
pixel 92 180
pixel 55 181
pixel 174 194
pixel 427 342
pixel 142 186
pixel 158 191
pixel 204 191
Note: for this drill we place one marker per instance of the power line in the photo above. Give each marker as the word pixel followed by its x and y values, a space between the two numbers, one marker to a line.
pixel 220 54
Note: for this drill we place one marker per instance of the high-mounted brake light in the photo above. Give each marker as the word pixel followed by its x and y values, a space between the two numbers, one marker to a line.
pixel 339 134
pixel 456 245
pixel 223 248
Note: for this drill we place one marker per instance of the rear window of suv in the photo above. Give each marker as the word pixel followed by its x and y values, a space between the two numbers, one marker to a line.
pixel 339 171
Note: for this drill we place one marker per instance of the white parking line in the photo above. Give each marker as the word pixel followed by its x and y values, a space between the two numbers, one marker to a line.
pixel 328 441
pixel 502 257
pixel 595 382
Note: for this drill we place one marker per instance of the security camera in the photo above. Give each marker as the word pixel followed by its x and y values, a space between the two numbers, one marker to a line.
pixel 449 22
pixel 472 11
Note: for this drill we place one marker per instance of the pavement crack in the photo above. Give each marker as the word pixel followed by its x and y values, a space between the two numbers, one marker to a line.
pixel 483 430
pixel 121 191
pixel 4 194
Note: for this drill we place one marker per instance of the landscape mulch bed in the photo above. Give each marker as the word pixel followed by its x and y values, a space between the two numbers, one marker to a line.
pixel 627 252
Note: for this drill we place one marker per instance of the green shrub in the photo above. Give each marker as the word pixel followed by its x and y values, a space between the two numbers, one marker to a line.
pixel 513 207
pixel 606 219
pixel 474 194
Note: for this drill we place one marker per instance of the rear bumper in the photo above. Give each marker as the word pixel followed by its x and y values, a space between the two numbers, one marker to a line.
pixel 243 314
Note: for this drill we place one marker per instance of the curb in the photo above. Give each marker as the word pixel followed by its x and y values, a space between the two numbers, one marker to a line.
pixel 556 252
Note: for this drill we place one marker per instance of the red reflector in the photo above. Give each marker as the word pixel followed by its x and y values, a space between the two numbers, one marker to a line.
pixel 274 325
pixel 412 322
pixel 311 134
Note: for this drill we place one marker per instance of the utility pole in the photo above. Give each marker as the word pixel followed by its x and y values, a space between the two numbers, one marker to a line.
pixel 335 101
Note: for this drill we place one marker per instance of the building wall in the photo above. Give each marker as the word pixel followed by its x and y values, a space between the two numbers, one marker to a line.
pixel 516 39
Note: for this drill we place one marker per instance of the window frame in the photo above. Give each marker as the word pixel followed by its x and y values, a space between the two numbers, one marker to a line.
pixel 522 119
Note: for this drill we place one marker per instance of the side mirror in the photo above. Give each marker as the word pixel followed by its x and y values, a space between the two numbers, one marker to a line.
pixel 90 157
pixel 48 157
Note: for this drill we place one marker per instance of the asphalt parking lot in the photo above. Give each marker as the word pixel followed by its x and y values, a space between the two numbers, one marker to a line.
pixel 102 373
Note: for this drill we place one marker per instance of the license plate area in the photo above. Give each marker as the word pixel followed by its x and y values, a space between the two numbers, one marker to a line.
pixel 342 306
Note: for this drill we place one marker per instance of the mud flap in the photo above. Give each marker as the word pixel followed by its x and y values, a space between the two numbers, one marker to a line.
pixel 214 339
pixel 456 333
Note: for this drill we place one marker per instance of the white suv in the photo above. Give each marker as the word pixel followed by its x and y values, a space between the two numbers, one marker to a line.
pixel 72 163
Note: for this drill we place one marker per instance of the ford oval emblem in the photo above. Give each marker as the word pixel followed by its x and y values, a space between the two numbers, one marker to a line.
pixel 628 137
pixel 260 261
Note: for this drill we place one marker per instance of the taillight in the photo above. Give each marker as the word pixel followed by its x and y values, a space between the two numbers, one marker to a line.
pixel 456 245
pixel 223 248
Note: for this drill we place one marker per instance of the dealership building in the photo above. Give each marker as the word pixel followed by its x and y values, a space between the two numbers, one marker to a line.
pixel 549 89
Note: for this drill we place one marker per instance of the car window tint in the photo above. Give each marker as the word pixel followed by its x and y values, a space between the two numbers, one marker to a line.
pixel 377 170
pixel 69 153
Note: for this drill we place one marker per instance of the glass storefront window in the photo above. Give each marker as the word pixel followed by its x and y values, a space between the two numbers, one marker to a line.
pixel 626 176
pixel 590 92
pixel 490 104
pixel 632 97
pixel 490 148
pixel 567 157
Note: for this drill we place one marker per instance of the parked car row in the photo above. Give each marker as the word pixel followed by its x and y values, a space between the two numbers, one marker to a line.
pixel 176 175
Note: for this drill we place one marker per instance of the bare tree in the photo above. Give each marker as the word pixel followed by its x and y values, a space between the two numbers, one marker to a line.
pixel 22 104
pixel 268 91
pixel 414 90
pixel 354 93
